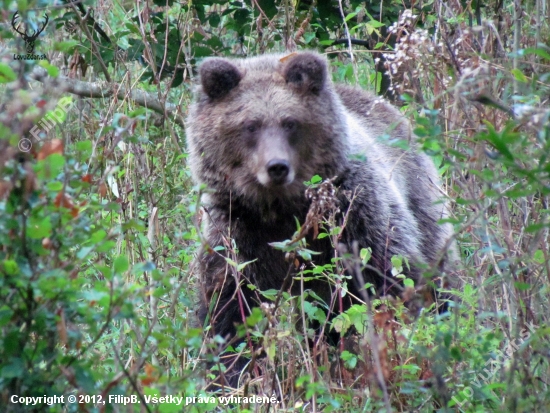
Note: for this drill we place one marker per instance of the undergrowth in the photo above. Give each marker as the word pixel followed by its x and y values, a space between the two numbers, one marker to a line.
pixel 99 219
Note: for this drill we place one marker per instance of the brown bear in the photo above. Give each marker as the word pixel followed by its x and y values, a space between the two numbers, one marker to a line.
pixel 258 129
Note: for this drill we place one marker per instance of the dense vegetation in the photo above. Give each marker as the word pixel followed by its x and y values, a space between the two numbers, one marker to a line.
pixel 97 209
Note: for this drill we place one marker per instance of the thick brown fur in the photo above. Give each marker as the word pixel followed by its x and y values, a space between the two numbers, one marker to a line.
pixel 258 129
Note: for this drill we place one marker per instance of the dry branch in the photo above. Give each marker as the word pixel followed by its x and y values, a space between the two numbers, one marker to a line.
pixel 106 90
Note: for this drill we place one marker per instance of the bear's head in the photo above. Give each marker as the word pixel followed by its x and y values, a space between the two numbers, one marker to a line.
pixel 261 127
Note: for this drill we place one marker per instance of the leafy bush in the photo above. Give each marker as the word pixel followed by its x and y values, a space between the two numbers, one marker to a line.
pixel 98 227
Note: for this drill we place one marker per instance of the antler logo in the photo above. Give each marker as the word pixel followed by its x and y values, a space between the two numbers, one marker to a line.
pixel 29 39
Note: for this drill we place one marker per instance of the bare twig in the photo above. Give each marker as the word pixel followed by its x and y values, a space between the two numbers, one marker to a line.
pixel 353 265
pixel 153 302
pixel 518 14
pixel 95 49
pixel 89 19
pixel 106 90
pixel 348 36
pixel 352 40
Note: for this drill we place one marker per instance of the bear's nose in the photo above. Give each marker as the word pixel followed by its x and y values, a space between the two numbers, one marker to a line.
pixel 278 170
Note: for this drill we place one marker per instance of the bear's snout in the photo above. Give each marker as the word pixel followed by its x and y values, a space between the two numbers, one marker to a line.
pixel 274 158
pixel 278 170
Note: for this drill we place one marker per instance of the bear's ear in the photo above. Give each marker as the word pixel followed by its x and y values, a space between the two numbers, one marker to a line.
pixel 306 71
pixel 218 77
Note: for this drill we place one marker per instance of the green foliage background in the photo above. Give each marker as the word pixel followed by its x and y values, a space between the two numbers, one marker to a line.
pixel 97 217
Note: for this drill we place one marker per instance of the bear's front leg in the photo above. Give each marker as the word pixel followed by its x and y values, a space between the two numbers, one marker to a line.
pixel 223 308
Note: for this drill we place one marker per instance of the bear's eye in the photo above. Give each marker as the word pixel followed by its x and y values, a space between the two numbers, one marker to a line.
pixel 251 126
pixel 290 124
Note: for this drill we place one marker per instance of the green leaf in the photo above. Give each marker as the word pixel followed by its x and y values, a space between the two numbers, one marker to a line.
pixel 358 317
pixel 308 37
pixel 134 224
pixel 271 350
pixel 97 236
pixel 537 51
pixel 52 70
pixel 310 309
pixel 6 74
pixel 365 254
pixel 14 369
pixel 286 245
pixel 5 315
pixel 519 76
pixel 51 166
pixel 351 16
pixel 336 231
pixel 137 113
pixel 315 179
pixel 55 186
pixel 132 27
pixel 341 323
pixel 242 265
pixel 83 252
pixel 397 261
pixel 10 267
pixel 535 227
pixel 539 257
pixel 231 262
pixel 39 227
pixel 106 271
pixel 255 317
pixel 370 28
pixel 66 46
pixel 106 246
pixel 214 20
pixel 375 23
pixel 522 286
pixel 497 141
pixel 121 264
pixel 270 294
pixel 350 359
pixel 456 353
pixel 85 147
